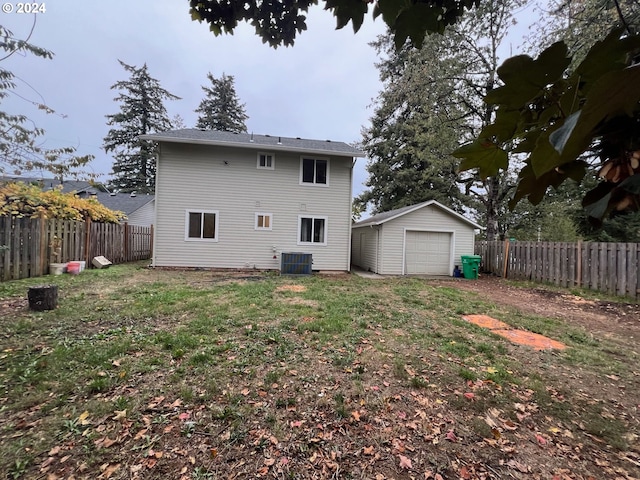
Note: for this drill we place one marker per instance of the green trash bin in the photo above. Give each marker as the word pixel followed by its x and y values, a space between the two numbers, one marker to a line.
pixel 470 266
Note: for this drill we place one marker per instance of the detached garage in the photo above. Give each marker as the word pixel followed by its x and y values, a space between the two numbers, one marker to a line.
pixel 423 239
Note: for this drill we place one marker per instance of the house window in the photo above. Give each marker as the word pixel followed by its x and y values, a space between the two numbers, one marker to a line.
pixel 312 230
pixel 314 171
pixel 263 221
pixel 266 161
pixel 202 225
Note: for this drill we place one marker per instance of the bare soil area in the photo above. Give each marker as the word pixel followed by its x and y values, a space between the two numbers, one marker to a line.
pixel 611 318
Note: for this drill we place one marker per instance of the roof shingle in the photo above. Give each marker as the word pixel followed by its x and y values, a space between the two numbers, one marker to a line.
pixel 249 140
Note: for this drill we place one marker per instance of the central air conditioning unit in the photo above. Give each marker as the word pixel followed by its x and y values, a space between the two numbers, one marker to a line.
pixel 296 263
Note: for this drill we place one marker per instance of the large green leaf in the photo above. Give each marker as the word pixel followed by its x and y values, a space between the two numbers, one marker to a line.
pixel 607 55
pixel 544 157
pixel 390 9
pixel 503 127
pixel 614 94
pixel 414 21
pixel 535 187
pixel 486 156
pixel 524 78
pixel 348 10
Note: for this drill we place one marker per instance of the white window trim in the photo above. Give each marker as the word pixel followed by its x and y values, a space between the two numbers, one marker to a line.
pixel 186 226
pixel 255 224
pixel 273 161
pixel 313 157
pixel 326 230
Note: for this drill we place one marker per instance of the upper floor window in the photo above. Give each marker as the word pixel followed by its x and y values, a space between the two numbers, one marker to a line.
pixel 201 225
pixel 314 171
pixel 266 160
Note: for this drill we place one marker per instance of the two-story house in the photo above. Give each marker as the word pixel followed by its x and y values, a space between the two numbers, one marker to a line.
pixel 228 200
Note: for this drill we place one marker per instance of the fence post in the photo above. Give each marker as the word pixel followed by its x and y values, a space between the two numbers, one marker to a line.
pixel 126 242
pixel 87 242
pixel 505 266
pixel 151 243
pixel 43 245
pixel 579 263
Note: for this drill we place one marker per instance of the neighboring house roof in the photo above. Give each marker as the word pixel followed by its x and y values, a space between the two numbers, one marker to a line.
pixel 392 214
pixel 78 186
pixel 213 137
pixel 124 202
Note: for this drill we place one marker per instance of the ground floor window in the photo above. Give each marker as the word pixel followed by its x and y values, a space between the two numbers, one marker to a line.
pixel 201 225
pixel 312 230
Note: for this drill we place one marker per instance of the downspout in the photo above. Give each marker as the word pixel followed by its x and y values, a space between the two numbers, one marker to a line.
pixel 154 239
pixel 349 243
pixel 377 248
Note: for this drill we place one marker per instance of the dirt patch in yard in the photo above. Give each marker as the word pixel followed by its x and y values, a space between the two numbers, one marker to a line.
pixel 606 317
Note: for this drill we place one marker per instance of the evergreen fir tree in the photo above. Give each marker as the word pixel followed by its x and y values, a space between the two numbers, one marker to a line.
pixel 433 99
pixel 142 111
pixel 221 108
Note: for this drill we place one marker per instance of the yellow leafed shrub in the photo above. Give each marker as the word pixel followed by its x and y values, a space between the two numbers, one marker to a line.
pixel 24 200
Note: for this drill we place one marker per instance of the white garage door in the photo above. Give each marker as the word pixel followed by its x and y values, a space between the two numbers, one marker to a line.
pixel 428 253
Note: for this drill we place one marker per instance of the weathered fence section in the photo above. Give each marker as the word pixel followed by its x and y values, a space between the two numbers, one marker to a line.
pixel 606 267
pixel 28 246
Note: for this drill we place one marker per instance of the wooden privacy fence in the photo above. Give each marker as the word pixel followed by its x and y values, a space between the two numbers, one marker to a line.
pixel 28 246
pixel 606 267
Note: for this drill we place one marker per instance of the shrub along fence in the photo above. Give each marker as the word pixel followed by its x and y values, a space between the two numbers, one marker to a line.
pixel 606 267
pixel 28 246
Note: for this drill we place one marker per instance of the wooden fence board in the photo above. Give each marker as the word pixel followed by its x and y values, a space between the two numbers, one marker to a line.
pixel 30 244
pixel 606 267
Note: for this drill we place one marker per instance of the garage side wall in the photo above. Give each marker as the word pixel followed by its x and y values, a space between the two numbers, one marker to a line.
pixel 364 248
pixel 429 218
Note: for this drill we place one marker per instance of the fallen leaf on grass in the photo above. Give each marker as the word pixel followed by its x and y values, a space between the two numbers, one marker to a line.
pixel 108 470
pixel 405 462
pixel 541 440
pixel 368 450
pixel 469 396
pixel 356 415
pixel 82 419
pixel 464 473
pixel 451 436
pixel 104 442
pixel 429 474
pixel 120 415
pixel 521 467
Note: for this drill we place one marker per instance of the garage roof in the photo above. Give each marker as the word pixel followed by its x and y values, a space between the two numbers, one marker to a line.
pixel 393 214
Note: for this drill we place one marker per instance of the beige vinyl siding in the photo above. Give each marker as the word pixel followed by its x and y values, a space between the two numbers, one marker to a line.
pixel 365 246
pixel 429 218
pixel 144 216
pixel 424 219
pixel 195 177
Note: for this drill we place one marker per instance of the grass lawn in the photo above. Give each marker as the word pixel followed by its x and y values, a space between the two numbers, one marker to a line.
pixel 157 374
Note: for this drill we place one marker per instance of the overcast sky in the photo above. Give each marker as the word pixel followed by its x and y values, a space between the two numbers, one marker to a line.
pixel 321 88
